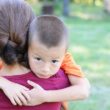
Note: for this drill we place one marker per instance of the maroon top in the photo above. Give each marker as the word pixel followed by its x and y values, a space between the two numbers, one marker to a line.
pixel 58 81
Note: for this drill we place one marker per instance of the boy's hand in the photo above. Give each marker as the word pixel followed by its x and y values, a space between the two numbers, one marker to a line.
pixel 16 93
pixel 37 94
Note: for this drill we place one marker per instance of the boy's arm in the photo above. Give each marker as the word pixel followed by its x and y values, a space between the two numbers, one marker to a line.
pixel 79 90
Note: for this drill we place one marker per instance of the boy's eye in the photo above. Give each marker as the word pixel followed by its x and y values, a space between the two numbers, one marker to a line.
pixel 54 61
pixel 37 58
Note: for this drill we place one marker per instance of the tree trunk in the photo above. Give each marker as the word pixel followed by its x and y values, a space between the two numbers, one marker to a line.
pixel 66 7
pixel 48 9
pixel 107 5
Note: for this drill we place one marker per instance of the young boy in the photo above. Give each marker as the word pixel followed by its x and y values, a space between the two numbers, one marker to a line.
pixel 48 42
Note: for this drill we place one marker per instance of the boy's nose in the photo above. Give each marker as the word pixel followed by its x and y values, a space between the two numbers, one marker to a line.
pixel 46 68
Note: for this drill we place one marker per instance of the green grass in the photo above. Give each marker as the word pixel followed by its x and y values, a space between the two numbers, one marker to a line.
pixel 90 45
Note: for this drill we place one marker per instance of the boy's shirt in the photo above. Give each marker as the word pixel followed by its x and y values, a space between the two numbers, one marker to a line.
pixel 55 82
pixel 70 67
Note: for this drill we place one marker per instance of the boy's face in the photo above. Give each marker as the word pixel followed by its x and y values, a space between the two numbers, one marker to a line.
pixel 43 61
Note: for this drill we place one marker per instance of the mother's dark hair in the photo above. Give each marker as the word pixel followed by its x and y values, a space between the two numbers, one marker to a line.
pixel 15 18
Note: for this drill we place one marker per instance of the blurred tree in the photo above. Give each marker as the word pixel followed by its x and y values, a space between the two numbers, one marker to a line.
pixel 48 7
pixel 94 2
pixel 66 7
pixel 88 2
pixel 32 1
pixel 107 5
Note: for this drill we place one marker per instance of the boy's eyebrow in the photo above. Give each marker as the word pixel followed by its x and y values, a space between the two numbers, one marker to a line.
pixel 56 57
pixel 41 56
pixel 36 54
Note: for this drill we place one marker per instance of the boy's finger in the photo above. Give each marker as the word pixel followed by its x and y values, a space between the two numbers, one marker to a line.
pixel 26 95
pixel 22 98
pixel 18 101
pixel 12 100
pixel 33 84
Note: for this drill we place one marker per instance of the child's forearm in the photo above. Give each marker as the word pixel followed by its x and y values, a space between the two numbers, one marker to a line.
pixel 75 92
pixel 64 95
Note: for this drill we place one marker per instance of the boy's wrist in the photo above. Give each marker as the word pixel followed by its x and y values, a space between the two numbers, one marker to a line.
pixel 47 96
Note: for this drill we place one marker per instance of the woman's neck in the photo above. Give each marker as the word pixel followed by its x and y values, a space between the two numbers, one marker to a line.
pixel 15 69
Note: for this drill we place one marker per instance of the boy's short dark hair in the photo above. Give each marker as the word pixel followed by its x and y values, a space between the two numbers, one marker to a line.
pixel 49 30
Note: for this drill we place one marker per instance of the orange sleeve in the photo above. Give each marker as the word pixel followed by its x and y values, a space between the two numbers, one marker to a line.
pixel 70 67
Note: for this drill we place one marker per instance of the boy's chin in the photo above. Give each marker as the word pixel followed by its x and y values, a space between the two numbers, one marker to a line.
pixel 43 76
